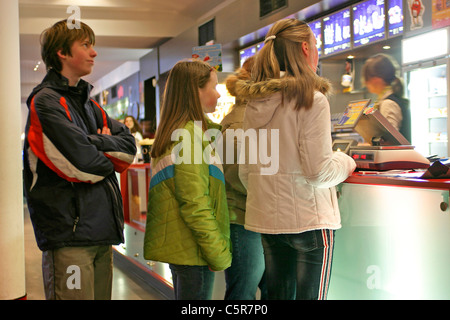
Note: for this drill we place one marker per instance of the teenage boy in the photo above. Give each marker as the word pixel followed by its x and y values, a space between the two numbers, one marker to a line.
pixel 71 153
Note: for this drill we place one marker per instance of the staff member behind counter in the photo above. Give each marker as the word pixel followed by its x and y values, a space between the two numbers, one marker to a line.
pixel 379 75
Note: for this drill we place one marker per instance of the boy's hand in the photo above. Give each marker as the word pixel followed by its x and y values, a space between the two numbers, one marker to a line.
pixel 105 130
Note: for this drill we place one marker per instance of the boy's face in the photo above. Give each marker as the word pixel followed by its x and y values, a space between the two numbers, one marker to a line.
pixel 80 62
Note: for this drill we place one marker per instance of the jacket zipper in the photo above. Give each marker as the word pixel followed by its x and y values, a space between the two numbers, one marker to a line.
pixel 75 203
pixel 75 224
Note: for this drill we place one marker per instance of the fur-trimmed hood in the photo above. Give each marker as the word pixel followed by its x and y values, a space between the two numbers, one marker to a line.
pixel 264 98
pixel 249 89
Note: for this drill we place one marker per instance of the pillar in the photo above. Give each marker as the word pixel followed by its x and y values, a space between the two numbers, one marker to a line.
pixel 12 250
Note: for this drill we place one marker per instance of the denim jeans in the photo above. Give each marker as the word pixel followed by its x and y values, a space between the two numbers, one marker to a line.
pixel 298 266
pixel 247 267
pixel 192 282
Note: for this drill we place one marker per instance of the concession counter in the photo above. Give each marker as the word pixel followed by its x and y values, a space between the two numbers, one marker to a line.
pixel 394 239
pixel 395 216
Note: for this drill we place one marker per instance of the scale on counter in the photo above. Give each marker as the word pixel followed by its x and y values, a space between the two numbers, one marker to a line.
pixel 385 147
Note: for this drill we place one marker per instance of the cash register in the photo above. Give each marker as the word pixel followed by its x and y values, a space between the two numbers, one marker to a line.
pixel 384 147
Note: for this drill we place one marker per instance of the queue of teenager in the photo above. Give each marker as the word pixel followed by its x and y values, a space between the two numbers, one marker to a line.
pixel 274 231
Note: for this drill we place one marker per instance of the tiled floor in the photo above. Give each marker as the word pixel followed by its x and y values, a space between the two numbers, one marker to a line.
pixel 125 287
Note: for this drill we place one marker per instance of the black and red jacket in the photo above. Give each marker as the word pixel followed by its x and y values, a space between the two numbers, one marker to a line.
pixel 69 169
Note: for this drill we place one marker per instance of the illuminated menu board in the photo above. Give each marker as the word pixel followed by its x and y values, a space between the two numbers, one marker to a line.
pixel 336 31
pixel 395 17
pixel 316 27
pixel 368 22
pixel 248 52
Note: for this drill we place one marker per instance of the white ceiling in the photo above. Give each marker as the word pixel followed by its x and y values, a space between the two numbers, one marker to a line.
pixel 125 29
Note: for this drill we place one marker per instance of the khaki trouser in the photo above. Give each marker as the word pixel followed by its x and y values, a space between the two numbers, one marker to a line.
pixel 78 273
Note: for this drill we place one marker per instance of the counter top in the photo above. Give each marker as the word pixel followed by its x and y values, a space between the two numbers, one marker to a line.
pixel 387 178
pixel 410 180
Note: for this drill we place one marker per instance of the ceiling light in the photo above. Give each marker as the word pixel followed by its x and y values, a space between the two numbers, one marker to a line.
pixel 350 57
pixel 36 67
pixel 386 47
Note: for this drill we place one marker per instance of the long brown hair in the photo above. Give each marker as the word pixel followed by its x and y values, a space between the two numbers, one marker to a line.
pixel 181 102
pixel 282 52
pixel 136 126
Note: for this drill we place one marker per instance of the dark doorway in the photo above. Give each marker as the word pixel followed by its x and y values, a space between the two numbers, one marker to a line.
pixel 149 123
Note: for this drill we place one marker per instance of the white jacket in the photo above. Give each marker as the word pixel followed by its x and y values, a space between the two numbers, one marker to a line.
pixel 301 195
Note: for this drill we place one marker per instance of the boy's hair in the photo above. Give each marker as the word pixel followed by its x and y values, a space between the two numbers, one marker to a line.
pixel 181 101
pixel 283 52
pixel 60 37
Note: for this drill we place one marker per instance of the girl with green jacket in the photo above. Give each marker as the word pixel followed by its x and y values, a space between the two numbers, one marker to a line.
pixel 187 219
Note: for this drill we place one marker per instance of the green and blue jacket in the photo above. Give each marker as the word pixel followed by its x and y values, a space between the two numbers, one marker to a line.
pixel 187 217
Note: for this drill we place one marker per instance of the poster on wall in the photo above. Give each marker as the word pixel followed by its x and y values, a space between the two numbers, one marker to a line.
pixel 440 13
pixel 211 54
pixel 416 9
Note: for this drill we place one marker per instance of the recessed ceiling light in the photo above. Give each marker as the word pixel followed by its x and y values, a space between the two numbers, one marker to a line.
pixel 36 67
pixel 350 57
pixel 386 47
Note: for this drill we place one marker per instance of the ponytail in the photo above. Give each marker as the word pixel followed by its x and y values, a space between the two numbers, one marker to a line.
pixel 397 87
pixel 282 52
